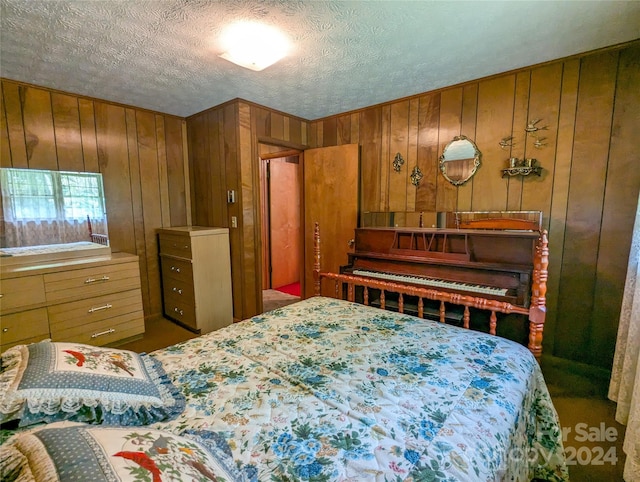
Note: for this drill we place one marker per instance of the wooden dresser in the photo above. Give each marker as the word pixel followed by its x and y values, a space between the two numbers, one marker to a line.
pixel 196 276
pixel 93 300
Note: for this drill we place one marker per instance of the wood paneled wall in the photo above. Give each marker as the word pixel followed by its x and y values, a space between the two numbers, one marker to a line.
pixel 588 191
pixel 224 155
pixel 141 155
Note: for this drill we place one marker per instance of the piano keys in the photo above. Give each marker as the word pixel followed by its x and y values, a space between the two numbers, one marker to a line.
pixel 495 264
pixel 433 282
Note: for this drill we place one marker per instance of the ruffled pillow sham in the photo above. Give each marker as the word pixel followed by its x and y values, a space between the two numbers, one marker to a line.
pixel 65 452
pixel 53 381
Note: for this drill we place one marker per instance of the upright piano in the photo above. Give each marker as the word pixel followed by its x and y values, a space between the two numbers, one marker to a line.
pixel 498 270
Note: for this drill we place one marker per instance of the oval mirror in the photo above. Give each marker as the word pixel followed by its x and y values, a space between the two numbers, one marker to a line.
pixel 459 160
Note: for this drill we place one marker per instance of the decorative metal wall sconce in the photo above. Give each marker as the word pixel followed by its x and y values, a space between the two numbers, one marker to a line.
pixel 416 176
pixel 506 142
pixel 522 167
pixel 539 144
pixel 398 161
pixel 532 127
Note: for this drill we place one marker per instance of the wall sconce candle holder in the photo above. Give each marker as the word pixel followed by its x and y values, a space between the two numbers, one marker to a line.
pixel 539 142
pixel 398 161
pixel 506 142
pixel 532 127
pixel 416 176
pixel 522 167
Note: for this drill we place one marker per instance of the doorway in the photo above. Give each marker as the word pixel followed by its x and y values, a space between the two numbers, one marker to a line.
pixel 280 192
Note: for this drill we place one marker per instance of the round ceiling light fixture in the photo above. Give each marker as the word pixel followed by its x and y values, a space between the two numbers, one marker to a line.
pixel 253 45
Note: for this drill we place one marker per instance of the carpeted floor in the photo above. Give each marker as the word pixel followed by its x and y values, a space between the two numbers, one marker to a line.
pixel 593 439
pixel 272 299
pixel 292 289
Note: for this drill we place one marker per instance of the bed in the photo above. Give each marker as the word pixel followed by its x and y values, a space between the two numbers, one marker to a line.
pixel 324 389
pixel 327 389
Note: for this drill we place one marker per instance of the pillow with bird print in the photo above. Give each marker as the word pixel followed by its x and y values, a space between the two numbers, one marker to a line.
pixel 66 452
pixel 53 381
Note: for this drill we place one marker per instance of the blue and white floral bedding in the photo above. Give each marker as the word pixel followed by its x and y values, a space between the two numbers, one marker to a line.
pixel 326 390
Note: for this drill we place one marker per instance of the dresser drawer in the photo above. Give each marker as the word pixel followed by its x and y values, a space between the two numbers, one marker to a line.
pixel 27 325
pixel 176 268
pixel 177 289
pixel 180 311
pixel 103 332
pixel 88 282
pixel 17 293
pixel 175 245
pixel 83 312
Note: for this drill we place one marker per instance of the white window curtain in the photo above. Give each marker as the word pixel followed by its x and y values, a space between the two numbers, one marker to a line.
pixel 50 207
pixel 625 375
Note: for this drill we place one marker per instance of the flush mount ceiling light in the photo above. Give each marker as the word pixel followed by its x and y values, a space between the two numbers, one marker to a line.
pixel 253 45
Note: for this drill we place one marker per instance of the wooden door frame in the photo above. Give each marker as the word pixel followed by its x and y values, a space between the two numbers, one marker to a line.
pixel 263 228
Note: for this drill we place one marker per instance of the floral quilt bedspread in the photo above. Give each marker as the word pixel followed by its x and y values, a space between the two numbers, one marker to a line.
pixel 330 390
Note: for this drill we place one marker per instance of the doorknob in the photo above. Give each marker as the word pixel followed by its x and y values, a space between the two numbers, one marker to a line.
pixel 351 243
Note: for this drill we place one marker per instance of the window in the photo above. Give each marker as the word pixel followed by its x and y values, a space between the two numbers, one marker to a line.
pixel 30 194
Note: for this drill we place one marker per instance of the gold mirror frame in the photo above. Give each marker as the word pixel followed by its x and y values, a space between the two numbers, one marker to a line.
pixel 460 160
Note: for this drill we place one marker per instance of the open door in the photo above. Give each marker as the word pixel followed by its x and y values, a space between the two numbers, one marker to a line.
pixel 331 199
pixel 284 222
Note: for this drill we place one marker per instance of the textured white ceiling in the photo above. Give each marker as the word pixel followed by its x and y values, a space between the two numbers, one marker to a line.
pixel 163 54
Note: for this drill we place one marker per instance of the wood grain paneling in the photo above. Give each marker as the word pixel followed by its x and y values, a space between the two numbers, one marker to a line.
pixel 12 96
pixel 139 153
pixel 136 202
pixel 382 203
pixel 427 155
pixel 584 210
pixel 560 193
pixel 5 148
pixel 544 104
pixel 330 131
pixel 588 189
pixel 38 128
pixel 370 145
pixel 344 130
pixel 176 184
pixel 68 136
pixel 88 135
pixel 398 144
pixel 494 119
pixel 623 179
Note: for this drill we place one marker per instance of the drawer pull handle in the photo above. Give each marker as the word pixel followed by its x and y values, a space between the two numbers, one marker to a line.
pixel 180 312
pixel 100 308
pixel 4 330
pixel 106 332
pixel 93 280
pixel 177 290
pixel 186 246
pixel 173 268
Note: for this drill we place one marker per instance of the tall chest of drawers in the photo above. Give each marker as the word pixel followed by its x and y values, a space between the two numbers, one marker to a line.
pixel 196 276
pixel 96 301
